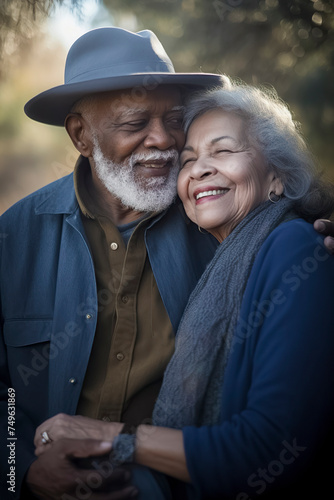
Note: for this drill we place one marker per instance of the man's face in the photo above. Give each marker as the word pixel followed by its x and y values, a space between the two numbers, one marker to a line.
pixel 136 144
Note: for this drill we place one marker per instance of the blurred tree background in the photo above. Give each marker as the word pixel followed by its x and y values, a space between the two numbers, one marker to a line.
pixel 285 44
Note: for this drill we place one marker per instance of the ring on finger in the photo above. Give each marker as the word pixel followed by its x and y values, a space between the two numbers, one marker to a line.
pixel 46 438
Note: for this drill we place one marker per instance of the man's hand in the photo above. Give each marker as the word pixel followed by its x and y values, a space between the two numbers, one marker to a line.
pixel 74 427
pixel 55 475
pixel 326 227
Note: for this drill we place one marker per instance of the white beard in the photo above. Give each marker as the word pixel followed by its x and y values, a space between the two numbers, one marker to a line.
pixel 145 195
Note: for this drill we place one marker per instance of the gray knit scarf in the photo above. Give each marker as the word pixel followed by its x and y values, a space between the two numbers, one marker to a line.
pixel 191 389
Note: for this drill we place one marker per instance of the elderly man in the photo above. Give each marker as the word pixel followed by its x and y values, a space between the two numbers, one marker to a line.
pixel 97 267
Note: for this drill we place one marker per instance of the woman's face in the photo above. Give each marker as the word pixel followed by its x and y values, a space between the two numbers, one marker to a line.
pixel 223 177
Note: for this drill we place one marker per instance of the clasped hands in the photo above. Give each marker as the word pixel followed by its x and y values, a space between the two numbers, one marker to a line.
pixel 57 472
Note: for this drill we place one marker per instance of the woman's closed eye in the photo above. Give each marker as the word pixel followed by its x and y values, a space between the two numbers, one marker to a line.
pixel 224 151
pixel 187 162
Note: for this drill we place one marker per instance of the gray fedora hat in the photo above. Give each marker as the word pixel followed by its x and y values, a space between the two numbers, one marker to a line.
pixel 107 59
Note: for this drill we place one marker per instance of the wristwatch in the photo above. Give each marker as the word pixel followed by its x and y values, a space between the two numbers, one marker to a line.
pixel 123 445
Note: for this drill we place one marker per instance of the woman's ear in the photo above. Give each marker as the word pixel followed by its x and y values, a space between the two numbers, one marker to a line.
pixel 276 186
pixel 76 127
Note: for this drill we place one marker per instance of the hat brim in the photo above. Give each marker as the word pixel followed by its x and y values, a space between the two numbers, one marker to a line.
pixel 53 105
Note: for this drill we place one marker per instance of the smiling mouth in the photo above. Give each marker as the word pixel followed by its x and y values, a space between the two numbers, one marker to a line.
pixel 154 168
pixel 211 192
pixel 157 164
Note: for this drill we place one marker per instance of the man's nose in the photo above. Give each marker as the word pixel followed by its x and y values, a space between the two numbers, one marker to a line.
pixel 159 136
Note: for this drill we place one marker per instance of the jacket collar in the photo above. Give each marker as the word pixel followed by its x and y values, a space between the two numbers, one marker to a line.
pixel 58 198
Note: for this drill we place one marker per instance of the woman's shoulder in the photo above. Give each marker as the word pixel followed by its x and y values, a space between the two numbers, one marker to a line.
pixel 293 248
pixel 293 237
pixel 296 229
pixel 294 270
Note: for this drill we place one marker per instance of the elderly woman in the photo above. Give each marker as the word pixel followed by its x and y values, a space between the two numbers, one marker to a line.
pixel 246 405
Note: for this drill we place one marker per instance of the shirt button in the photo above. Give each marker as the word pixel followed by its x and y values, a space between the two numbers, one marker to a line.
pixel 125 298
pixel 120 356
pixel 89 316
pixel 113 246
pixel 73 380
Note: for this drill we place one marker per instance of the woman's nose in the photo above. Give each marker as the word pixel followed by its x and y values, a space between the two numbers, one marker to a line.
pixel 202 167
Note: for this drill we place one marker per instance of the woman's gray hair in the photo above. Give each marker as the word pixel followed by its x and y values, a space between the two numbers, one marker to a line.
pixel 271 128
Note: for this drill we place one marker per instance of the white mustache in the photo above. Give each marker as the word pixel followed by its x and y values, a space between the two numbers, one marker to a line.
pixel 170 155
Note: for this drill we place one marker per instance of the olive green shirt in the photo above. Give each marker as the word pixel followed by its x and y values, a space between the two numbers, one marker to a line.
pixel 134 339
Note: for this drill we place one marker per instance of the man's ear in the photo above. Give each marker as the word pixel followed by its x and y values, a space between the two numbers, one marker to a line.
pixel 76 128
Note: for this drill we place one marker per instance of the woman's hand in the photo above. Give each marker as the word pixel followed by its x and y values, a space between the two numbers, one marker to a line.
pixel 74 427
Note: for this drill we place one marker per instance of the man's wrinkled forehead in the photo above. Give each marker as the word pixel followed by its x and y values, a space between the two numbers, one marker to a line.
pixel 138 100
pixel 128 112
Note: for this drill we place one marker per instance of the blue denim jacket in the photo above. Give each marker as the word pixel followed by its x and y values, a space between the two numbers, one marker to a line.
pixel 49 300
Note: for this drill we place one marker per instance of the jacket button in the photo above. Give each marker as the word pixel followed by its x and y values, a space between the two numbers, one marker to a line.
pixel 120 356
pixel 125 299
pixel 113 246
pixel 73 380
pixel 89 316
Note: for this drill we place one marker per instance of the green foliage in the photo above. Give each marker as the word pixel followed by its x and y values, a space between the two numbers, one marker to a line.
pixel 19 20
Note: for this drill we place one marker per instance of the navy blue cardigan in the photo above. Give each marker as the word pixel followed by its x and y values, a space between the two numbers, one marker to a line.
pixel 278 395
